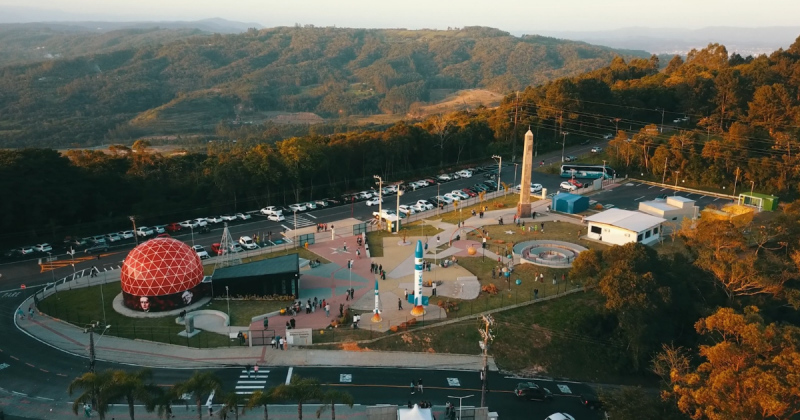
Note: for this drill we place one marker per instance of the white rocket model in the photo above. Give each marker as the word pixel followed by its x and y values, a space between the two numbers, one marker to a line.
pixel 418 309
pixel 376 313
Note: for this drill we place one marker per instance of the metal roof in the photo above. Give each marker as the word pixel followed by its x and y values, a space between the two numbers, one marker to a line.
pixel 633 221
pixel 279 265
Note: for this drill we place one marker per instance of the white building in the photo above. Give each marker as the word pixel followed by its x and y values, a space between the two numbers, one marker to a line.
pixel 674 208
pixel 619 227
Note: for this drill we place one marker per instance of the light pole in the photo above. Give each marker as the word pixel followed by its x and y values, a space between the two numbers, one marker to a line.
pixel 515 178
pixel 616 125
pixel 135 235
pixel 191 227
pixel 350 270
pixel 677 173
pixel 460 403
pixel 499 168
pixel 661 130
pixel 294 231
pixel 397 225
pixel 380 201
pixel 228 298
pixel 563 144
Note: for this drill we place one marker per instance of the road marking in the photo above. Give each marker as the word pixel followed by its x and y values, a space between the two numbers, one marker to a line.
pixel 45 371
pixel 453 382
pixel 652 186
pixel 637 199
pixel 44 398
pixel 19 393
pixel 715 199
pixel 346 378
pixel 289 376
pixel 663 189
pixel 311 216
pixel 14 358
pixel 702 196
pixel 10 295
pixel 30 365
pixel 286 227
pixel 563 388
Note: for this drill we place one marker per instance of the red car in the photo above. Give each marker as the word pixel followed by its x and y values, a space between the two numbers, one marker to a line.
pixel 215 249
pixel 469 192
pixel 575 183
pixel 174 227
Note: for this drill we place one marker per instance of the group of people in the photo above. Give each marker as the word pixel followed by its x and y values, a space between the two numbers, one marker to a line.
pixel 421 404
pixel 350 294
pixel 323 227
pixel 278 343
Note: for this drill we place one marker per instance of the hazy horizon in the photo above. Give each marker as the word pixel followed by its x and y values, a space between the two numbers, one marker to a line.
pixel 566 15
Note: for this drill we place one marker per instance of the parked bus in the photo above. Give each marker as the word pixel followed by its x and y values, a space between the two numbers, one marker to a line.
pixel 586 171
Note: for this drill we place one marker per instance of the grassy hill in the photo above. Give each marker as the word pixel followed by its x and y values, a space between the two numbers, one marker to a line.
pixel 191 84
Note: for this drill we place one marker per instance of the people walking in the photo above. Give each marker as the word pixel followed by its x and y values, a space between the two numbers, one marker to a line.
pixel 327 310
pixel 255 370
pixel 433 285
pixel 358 253
pixel 405 294
pixel 344 247
pixel 413 389
pixel 419 385
pixel 280 343
pixel 248 368
pixel 30 312
pixel 399 304
pixel 341 309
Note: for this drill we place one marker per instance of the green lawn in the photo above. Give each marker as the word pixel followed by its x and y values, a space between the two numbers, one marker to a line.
pixel 302 252
pixel 548 339
pixel 454 216
pixel 418 228
pixel 82 306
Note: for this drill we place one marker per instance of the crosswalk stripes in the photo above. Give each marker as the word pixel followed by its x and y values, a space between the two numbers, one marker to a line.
pixel 246 385
pixel 301 222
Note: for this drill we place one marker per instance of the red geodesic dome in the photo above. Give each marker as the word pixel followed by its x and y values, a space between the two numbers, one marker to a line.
pixel 161 266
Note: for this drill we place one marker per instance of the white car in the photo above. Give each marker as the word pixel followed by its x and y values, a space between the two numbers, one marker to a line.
pixel 98 239
pixel 560 416
pixel 677 120
pixel 535 188
pixel 113 237
pixel 608 136
pixel 247 242
pixel 126 234
pixel 460 194
pixel 597 149
pixel 159 229
pixel 25 250
pixel 214 219
pixel 243 216
pixel 144 231
pixel 228 217
pixel 374 201
pixel 445 177
pixel 321 203
pixel 451 197
pixel 418 208
pixel 236 248
pixel 276 217
pixel 201 222
pixel 407 210
pixel 386 191
pixel 201 252
pixel 465 173
pixel 43 247
pixel 188 224
pixel 311 206
pixel 425 204
pixel 271 210
pixel 567 186
pixel 365 195
pixel 297 207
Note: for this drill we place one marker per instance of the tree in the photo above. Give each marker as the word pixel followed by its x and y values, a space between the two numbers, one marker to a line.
pixel 201 385
pixel 634 403
pixel 750 371
pixel 261 399
pixel 771 107
pixel 330 398
pixel 97 390
pixel 133 386
pixel 300 390
pixel 587 265
pixel 231 402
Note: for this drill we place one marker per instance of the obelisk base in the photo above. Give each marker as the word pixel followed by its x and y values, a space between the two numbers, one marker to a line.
pixel 524 210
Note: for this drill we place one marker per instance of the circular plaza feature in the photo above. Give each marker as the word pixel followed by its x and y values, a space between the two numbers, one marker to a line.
pixel 161 274
pixel 548 253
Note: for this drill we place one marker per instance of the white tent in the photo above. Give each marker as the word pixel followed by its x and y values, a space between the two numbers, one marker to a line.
pixel 414 413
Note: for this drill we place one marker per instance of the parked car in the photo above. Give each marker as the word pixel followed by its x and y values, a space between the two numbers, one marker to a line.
pixel 201 221
pixel 276 217
pixel 247 242
pixel 418 208
pixel 437 201
pixel 451 197
pixel 465 173
pixel 236 248
pixel 74 241
pixel 406 209
pixel 575 182
pixel 374 201
pixel 45 247
pixel 216 248
pixel 444 177
pixel 144 231
pixel 214 219
pixel 297 207
pixel 96 248
pixel 608 136
pixel 570 158
pixel 174 227
pixel 270 210
pixel 159 229
pixel 228 217
pixel 560 416
pixel 25 250
pixel 532 391
pixel 243 216
pixel 201 252
pixel 455 175
pixel 126 234
pixel 567 186
pixel 311 205
pixel 469 192
pixel 597 149
pixel 365 195
pixel 322 203
pixel 425 203
pixel 535 188
pixel 331 202
pixel 98 239
pixel 459 194
pixel 591 401
pixel 113 237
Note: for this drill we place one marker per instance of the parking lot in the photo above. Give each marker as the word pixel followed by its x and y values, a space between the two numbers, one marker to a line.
pixel 628 195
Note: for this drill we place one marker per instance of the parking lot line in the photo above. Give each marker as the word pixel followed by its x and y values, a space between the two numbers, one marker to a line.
pixel 311 215
pixel 637 199
pixel 663 189
pixel 286 227
pixel 716 199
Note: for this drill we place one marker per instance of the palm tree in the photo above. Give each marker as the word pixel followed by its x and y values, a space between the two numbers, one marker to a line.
pixel 331 397
pixel 201 384
pixel 161 401
pixel 133 386
pixel 232 401
pixel 261 398
pixel 97 389
pixel 300 390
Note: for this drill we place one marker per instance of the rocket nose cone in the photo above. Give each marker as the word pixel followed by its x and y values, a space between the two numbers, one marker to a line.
pixel 418 250
pixel 376 284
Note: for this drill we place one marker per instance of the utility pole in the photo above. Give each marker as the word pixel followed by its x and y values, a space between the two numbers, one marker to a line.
pixel 563 144
pixel 486 334
pixel 514 138
pixel 661 130
pixel 135 235
pixel 616 125
pixel 664 177
pixel 499 168
pixel 380 202
pixel 736 181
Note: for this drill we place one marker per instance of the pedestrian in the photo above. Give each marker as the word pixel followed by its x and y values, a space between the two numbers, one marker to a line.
pixel 210 409
pixel 308 308
pixel 383 275
pixel 405 294
pixel 535 293
pixel 493 274
pixel 429 266
pixel 533 215
pixel 341 309
pixel 399 304
pixel 358 253
pixel 247 368
pixel 30 312
pixel 372 267
pixel 433 285
pixel 255 370
pixel 554 279
pixel 345 246
pixel 347 295
pixel 542 227
pixel 288 325
pixel 541 278
pixel 327 310
pixel 352 293
pixel 413 390
pixel 292 322
pixel 419 385
pixel 380 268
pixel 280 343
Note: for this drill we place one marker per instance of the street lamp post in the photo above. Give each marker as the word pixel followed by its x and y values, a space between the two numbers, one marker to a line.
pixel 677 173
pixel 515 178
pixel 460 403
pixel 228 298
pixel 191 227
pixel 499 168
pixel 380 201
pixel 563 144
pixel 294 231
pixel 135 235
pixel 397 225
pixel 661 130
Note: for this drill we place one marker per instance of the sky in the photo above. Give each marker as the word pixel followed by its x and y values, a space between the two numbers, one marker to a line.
pixel 509 15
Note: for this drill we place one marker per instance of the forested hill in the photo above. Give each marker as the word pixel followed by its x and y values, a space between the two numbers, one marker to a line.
pixel 334 72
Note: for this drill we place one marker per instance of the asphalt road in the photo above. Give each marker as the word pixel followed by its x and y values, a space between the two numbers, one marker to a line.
pixel 628 195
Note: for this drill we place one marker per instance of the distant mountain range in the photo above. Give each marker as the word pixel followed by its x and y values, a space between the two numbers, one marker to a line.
pixel 745 41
